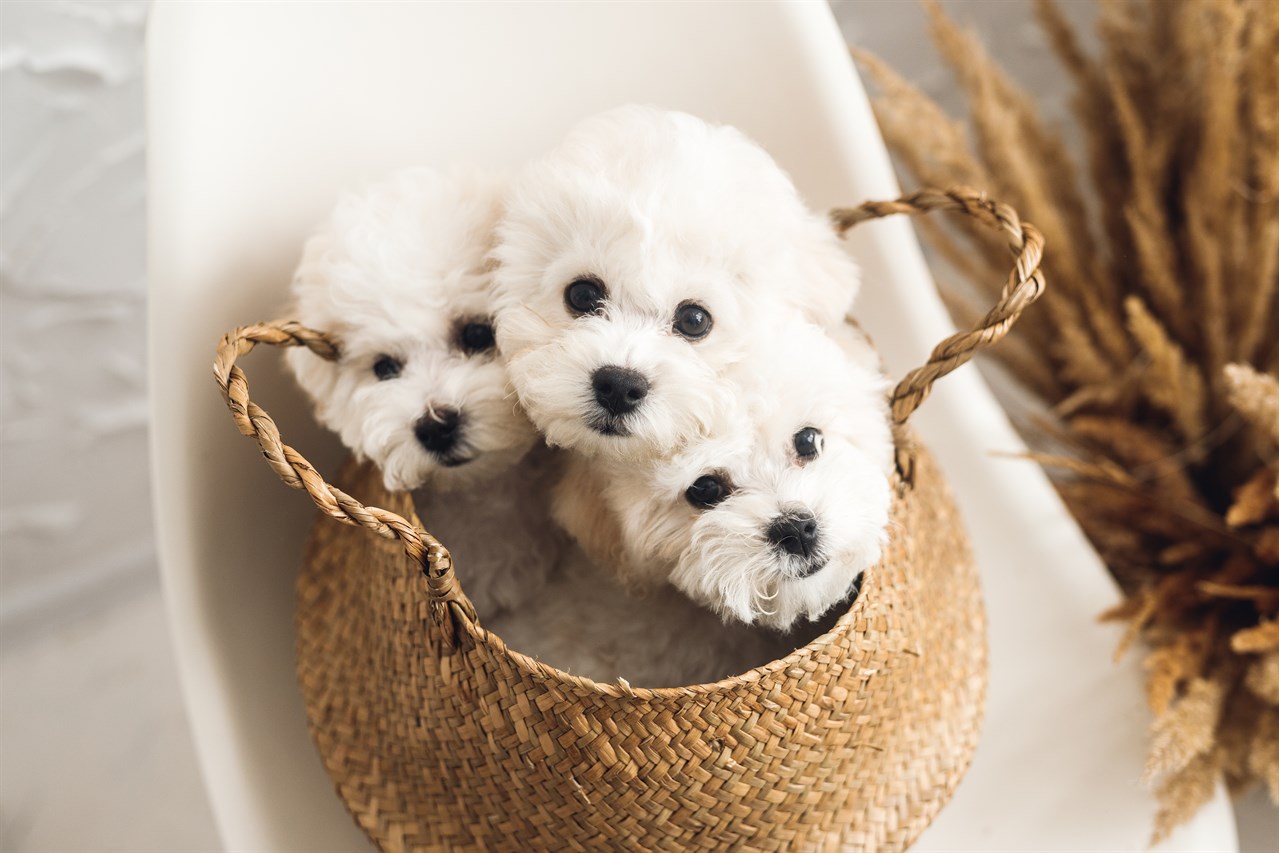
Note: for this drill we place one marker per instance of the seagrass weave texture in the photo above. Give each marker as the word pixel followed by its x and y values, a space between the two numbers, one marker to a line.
pixel 439 736
pixel 854 741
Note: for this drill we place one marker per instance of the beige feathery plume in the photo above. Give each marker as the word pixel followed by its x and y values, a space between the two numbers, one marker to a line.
pixel 1263 755
pixel 1260 192
pixel 1172 383
pixel 1267 544
pixel 1097 470
pixel 1234 739
pixel 1147 218
pixel 1144 454
pixel 1081 362
pixel 1147 605
pixel 1259 314
pixel 934 146
pixel 1185 730
pixel 1262 637
pixel 1168 667
pixel 1262 678
pixel 1214 37
pixel 1165 269
pixel 945 143
pixel 1092 105
pixel 1184 792
pixel 1103 396
pixel 1255 501
pixel 1256 396
pixel 1010 137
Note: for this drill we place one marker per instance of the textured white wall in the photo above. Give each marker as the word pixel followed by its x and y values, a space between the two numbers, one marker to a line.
pixel 74 502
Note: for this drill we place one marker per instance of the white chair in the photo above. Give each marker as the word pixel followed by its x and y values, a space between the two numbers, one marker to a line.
pixel 260 112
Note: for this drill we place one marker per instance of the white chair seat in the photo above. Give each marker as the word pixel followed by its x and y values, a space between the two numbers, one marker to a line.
pixel 260 112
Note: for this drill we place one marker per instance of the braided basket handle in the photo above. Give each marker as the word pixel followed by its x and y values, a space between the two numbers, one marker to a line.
pixel 1025 284
pixel 448 602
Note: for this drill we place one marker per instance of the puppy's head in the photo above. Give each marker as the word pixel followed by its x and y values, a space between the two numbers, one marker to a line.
pixel 773 518
pixel 637 263
pixel 398 276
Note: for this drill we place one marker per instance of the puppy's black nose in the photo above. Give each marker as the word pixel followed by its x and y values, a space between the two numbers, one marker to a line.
pixel 439 431
pixel 795 533
pixel 619 390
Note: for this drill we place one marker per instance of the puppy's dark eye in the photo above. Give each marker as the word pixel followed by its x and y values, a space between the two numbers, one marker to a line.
pixel 476 338
pixel 707 491
pixel 692 321
pixel 584 296
pixel 387 367
pixel 808 443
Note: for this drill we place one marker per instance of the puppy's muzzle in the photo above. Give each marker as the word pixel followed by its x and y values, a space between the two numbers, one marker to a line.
pixel 439 431
pixel 619 390
pixel 797 534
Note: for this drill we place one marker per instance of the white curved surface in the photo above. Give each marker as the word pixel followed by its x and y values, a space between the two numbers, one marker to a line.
pixel 260 112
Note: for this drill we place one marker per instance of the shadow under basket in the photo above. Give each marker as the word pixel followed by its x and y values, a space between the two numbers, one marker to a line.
pixel 438 735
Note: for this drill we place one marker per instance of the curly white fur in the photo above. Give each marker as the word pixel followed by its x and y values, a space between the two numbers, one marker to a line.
pixel 798 376
pixel 664 210
pixel 586 623
pixel 395 272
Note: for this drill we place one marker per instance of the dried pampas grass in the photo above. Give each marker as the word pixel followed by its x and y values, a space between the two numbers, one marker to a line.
pixel 1157 352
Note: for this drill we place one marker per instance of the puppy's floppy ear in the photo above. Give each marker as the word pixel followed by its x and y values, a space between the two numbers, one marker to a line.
pixel 828 278
pixel 578 506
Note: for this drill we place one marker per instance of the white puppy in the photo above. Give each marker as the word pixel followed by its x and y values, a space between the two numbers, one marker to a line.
pixel 638 262
pixel 398 276
pixel 586 623
pixel 774 516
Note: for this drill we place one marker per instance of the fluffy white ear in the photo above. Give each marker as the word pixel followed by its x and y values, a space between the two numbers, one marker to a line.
pixel 578 506
pixel 828 278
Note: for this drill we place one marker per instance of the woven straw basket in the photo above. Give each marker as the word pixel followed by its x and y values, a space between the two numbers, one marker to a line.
pixel 438 735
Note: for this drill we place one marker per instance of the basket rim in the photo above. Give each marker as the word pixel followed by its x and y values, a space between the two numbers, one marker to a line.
pixel 540 670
